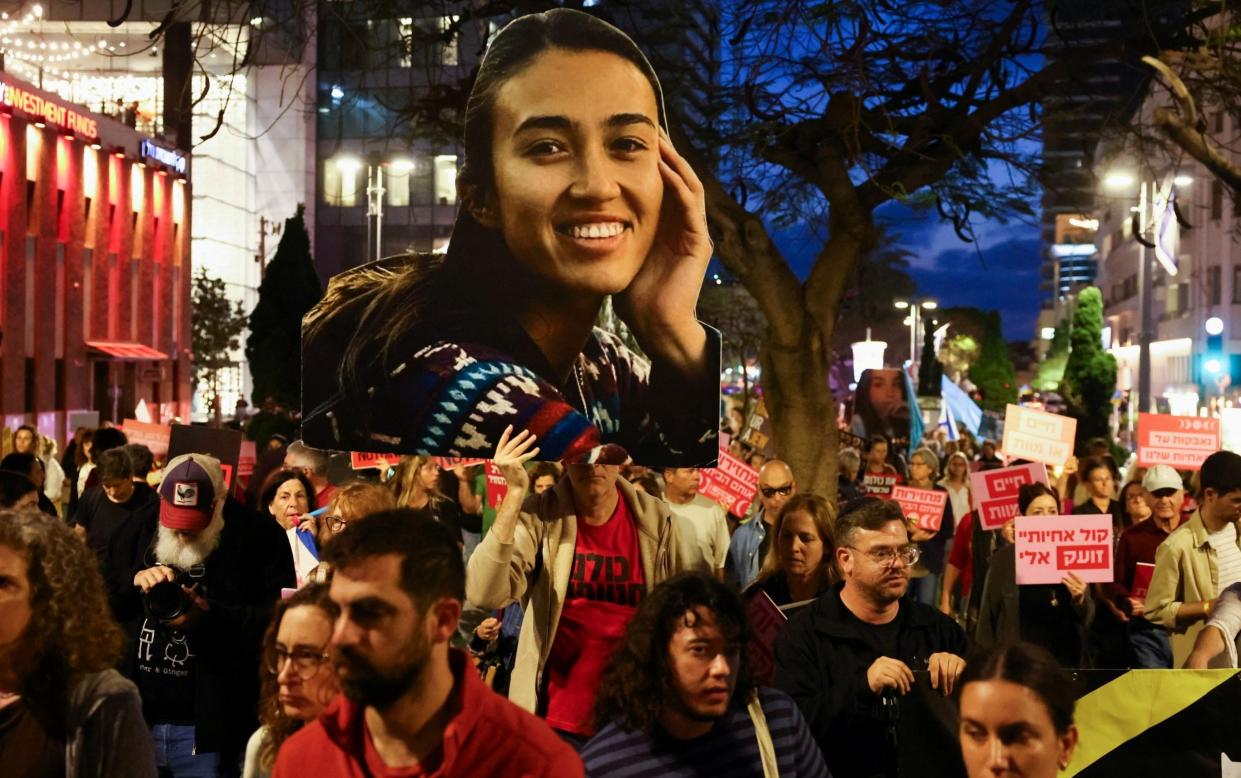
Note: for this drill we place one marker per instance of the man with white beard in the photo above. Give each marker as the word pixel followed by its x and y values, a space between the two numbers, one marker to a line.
pixel 201 584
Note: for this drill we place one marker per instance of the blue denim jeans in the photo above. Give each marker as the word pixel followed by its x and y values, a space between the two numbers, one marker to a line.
pixel 175 756
pixel 1152 650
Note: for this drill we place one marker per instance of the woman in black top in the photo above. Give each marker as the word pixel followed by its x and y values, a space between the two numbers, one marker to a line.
pixel 1054 616
pixel 801 562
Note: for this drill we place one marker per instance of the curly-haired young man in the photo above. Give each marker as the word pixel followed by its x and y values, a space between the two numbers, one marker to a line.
pixel 63 709
pixel 678 699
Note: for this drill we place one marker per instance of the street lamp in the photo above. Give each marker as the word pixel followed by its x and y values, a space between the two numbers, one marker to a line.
pixel 1121 181
pixel 915 305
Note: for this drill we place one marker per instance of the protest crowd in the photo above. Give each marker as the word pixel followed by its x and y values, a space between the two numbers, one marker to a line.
pixel 423 616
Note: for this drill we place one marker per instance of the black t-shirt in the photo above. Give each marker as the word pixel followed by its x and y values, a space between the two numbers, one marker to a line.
pixel 446 512
pixel 101 517
pixel 882 639
pixel 27 749
pixel 165 673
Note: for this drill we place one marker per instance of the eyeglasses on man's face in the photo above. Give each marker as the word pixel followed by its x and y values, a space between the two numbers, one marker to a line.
pixel 306 662
pixel 772 491
pixel 886 557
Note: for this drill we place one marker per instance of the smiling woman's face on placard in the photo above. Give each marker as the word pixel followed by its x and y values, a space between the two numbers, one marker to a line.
pixel 575 149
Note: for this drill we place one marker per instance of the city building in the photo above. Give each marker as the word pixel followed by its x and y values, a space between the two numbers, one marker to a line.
pixel 95 241
pixel 1195 273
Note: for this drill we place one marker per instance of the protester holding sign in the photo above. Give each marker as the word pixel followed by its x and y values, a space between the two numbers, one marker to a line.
pixel 1200 558
pixel 581 556
pixel 845 657
pixel 801 562
pixel 923 471
pixel 1054 616
pixel 1148 643
pixel 878 477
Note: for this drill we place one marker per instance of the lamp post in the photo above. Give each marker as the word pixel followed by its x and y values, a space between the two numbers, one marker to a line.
pixel 1147 189
pixel 915 305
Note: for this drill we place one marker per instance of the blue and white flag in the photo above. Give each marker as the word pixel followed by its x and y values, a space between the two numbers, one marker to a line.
pixel 949 422
pixel 305 551
pixel 915 414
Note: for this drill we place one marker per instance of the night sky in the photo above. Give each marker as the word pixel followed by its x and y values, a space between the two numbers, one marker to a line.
pixel 1000 270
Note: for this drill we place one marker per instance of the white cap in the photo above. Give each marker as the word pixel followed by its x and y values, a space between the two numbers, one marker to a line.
pixel 1162 477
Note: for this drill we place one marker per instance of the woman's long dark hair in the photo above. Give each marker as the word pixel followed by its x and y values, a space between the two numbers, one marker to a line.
pixel 271 715
pixel 383 311
pixel 640 677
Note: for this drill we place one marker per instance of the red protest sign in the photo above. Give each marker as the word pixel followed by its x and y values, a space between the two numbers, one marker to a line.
pixel 247 459
pixel 448 463
pixel 153 436
pixel 732 484
pixel 766 621
pixel 995 492
pixel 1179 441
pixel 361 460
pixel 925 507
pixel 1038 436
pixel 1142 575
pixel 1051 547
pixel 497 487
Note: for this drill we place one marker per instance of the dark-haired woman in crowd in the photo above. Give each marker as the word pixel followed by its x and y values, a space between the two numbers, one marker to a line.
pixel 1054 616
pixel 30 466
pixel 1016 714
pixel 298 682
pixel 64 710
pixel 801 563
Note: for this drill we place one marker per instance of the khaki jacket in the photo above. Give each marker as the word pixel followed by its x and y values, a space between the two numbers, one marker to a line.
pixel 1185 571
pixel 534 569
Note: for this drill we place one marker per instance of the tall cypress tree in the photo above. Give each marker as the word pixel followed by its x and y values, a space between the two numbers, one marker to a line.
pixel 1090 374
pixel 993 371
pixel 290 288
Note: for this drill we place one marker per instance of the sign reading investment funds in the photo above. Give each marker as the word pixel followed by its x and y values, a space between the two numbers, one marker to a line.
pixel 1181 442
pixel 1038 436
pixel 732 484
pixel 1051 547
pixel 924 507
pixel 995 492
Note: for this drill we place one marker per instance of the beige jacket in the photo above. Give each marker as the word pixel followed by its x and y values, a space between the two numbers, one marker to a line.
pixel 1185 571
pixel 502 573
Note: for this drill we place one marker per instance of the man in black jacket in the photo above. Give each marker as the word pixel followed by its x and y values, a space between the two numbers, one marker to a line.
pixel 846 658
pixel 201 585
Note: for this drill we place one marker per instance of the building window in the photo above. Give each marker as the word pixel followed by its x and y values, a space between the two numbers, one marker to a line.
pixel 1214 293
pixel 446 179
pixel 424 42
pixel 341 181
pixel 1236 284
pixel 1217 199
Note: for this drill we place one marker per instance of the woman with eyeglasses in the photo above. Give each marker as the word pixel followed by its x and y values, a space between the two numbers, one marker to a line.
pixel 349 503
pixel 1054 616
pixel 801 563
pixel 298 682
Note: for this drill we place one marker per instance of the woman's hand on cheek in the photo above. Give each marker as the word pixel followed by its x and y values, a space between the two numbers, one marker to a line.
pixel 659 304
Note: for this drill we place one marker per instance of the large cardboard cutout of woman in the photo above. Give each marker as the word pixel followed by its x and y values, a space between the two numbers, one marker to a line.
pixel 571 192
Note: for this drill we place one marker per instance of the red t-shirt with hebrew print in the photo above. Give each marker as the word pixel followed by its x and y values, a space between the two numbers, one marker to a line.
pixel 604 591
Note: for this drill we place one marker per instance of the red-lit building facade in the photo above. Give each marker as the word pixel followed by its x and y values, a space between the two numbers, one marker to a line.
pixel 95 245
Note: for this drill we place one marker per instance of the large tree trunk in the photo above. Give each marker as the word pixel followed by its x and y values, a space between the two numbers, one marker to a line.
pixel 801 319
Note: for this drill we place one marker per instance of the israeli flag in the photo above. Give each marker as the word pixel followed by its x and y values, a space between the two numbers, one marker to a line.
pixel 949 422
pixel 305 551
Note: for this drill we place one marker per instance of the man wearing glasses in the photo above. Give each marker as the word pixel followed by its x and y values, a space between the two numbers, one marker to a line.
pixel 749 543
pixel 846 658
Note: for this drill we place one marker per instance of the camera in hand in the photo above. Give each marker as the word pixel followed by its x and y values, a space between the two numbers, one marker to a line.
pixel 166 600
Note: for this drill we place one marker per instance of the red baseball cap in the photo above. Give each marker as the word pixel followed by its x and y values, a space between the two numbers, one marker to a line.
pixel 188 492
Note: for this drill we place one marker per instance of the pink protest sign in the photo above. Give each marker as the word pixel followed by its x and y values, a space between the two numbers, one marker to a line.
pixel 247 459
pixel 153 436
pixel 925 507
pixel 1051 547
pixel 1179 441
pixel 1037 435
pixel 995 492
pixel 732 484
